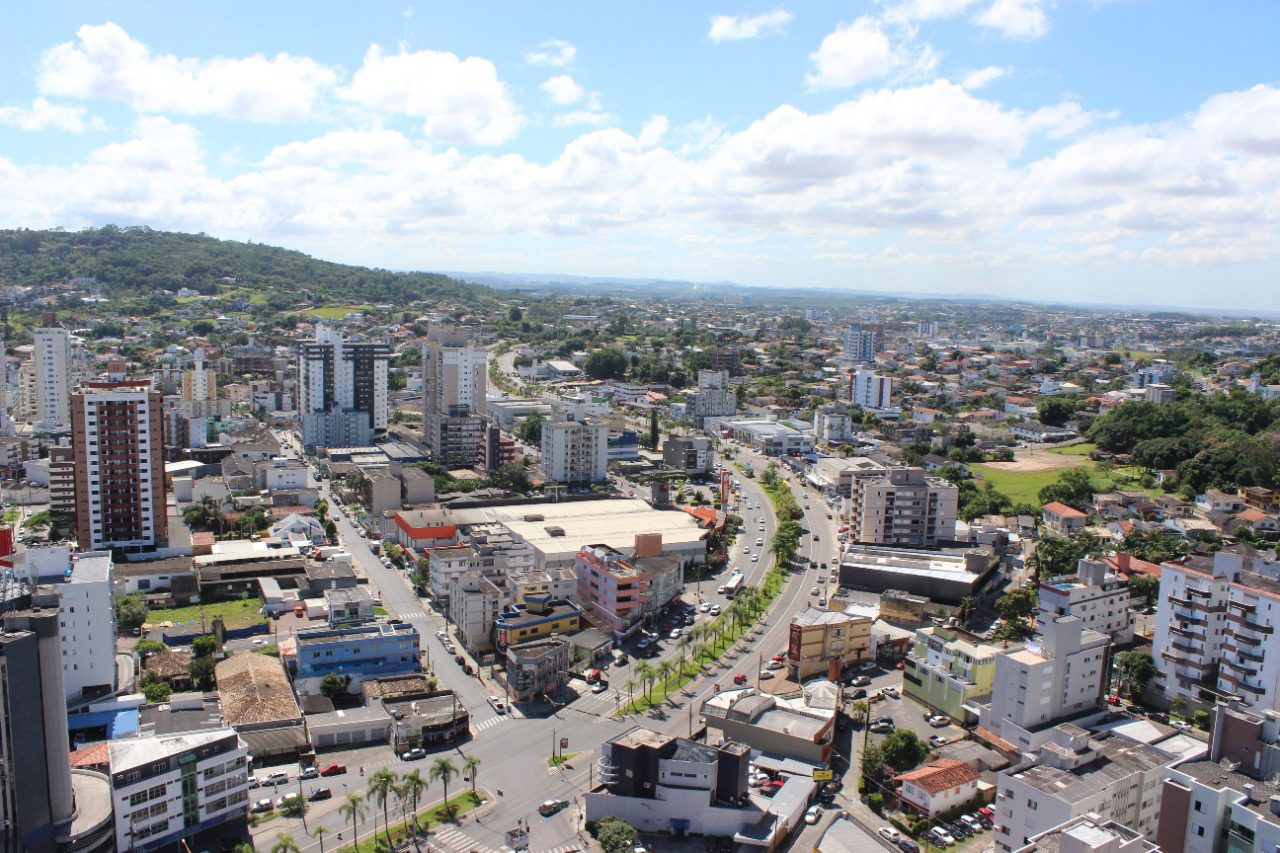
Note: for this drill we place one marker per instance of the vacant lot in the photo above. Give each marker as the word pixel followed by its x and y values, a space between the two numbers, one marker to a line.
pixel 235 614
pixel 334 312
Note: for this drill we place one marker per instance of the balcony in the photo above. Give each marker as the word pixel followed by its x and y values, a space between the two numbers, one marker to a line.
pixel 1182 616
pixel 1184 602
pixel 1187 650
pixel 1239 667
pixel 1243 606
pixel 1183 632
pixel 1252 626
pixel 1199 593
pixel 1244 638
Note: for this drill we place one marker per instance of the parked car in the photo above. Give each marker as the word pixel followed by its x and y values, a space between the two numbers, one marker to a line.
pixel 263 805
pixel 414 754
pixel 813 814
pixel 890 691
pixel 320 794
pixel 1181 725
pixel 941 837
pixel 309 772
pixel 334 769
pixel 861 681
pixel 858 694
pixel 883 725
pixel 939 720
pixel 866 666
pixel 498 704
pixel 971 821
pixel 937 741
pixel 277 777
pixel 987 812
pixel 287 800
pixel 906 845
pixel 774 664
pixel 890 833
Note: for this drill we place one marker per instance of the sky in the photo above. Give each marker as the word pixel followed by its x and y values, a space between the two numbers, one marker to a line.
pixel 1105 151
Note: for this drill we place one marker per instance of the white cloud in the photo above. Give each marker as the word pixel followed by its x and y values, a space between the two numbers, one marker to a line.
pixel 589 118
pixel 158 145
pixel 563 89
pixel 852 54
pixel 554 53
pixel 107 63
pixel 983 77
pixel 739 27
pixel 925 10
pixel 459 100
pixel 652 131
pixel 45 115
pixel 1020 19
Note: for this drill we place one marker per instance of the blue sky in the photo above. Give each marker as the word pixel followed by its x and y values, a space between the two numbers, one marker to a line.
pixel 1124 151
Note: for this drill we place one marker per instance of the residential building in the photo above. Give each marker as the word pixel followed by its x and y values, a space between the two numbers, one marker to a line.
pixel 715 398
pixel 832 424
pixel 860 345
pixel 871 391
pixel 51 366
pixel 555 584
pixel 1041 433
pixel 663 575
pixel 535 619
pixel 1215 629
pixel 62 481
pixel 691 454
pixel 940 786
pixel 475 603
pixel 1060 674
pixel 199 382
pixel 825 642
pixel 575 451
pixel 455 384
pixel 1225 800
pixel 1062 519
pixel 1091 834
pixel 538 668
pixel 1159 394
pixel 1158 372
pixel 795 727
pixel 1077 773
pixel 342 390
pixel 256 699
pixel 610 588
pixel 903 507
pixel 362 652
pixel 1099 599
pixel 948 672
pixel 116 437
pixel 80 590
pixel 166 788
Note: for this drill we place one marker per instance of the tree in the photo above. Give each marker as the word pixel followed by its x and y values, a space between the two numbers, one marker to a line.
pixel 1055 411
pixel 529 430
pixel 1055 556
pixel 415 786
pixel 873 763
pixel 514 314
pixel 201 672
pixel 353 810
pixel 284 844
pixel 616 835
pixel 335 686
pixel 1073 488
pixel 146 647
pixel 444 770
pixel 205 646
pixel 607 363
pixel 902 750
pixel 1136 671
pixel 1145 587
pixel 155 691
pixel 645 672
pixel 470 769
pixel 380 784
pixel 130 612
pixel 1017 606
pixel 319 833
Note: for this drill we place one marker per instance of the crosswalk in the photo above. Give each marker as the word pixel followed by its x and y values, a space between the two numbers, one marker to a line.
pixel 456 841
pixel 413 614
pixel 476 728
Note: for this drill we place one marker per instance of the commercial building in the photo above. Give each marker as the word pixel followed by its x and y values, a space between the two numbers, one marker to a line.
pixel 768 436
pixel 257 701
pixel 455 383
pixel 536 619
pixel 1099 599
pixel 1215 630
pixel 800 728
pixel 903 507
pixel 168 788
pixel 1059 674
pixel 538 668
pixel 51 366
pixel 365 651
pixel 691 454
pixel 1226 800
pixel 715 398
pixel 119 466
pixel 938 576
pixel 825 642
pixel 1078 773
pixel 342 390
pixel 475 603
pixel 609 588
pixel 836 476
pixel 575 451
pixel 948 672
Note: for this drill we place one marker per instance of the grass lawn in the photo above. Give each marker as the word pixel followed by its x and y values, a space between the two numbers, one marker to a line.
pixel 1083 449
pixel 334 312
pixel 1018 486
pixel 427 819
pixel 235 614
pixel 561 758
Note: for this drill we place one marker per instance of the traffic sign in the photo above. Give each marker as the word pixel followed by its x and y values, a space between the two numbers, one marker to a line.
pixel 822 775
pixel 564 743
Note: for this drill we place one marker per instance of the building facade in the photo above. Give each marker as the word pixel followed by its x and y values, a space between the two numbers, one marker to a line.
pixel 116 437
pixel 715 398
pixel 903 507
pixel 872 391
pixel 826 642
pixel 575 451
pixel 362 652
pixel 342 390
pixel 691 454
pixel 1099 599
pixel 610 588
pixel 538 668
pixel 455 380
pixel 947 672
pixel 51 365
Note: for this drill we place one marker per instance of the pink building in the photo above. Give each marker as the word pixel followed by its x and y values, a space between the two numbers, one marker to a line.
pixel 609 587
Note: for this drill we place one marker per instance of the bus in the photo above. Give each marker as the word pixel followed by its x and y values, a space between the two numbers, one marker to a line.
pixel 734 585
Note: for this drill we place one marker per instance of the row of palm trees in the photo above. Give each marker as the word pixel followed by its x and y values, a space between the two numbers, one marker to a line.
pixel 387 789
pixel 698 643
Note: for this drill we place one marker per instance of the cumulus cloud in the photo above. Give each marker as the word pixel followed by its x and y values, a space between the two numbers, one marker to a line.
pixel 105 62
pixel 653 130
pixel 590 118
pixel 983 77
pixel 459 100
pixel 554 53
pixel 1020 19
pixel 925 10
pixel 852 54
pixel 740 27
pixel 45 115
pixel 563 89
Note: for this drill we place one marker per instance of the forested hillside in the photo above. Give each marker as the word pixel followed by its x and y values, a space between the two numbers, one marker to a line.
pixel 142 261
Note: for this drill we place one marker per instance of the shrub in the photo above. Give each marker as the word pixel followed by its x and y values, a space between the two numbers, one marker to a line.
pixel 876 802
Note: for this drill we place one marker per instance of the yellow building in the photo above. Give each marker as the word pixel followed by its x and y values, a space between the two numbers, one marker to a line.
pixel 821 640
pixel 537 619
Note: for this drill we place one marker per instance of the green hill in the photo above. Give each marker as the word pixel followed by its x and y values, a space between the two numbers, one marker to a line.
pixel 139 262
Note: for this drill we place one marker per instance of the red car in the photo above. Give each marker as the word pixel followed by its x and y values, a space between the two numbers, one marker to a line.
pixel 1113 699
pixel 900 665
pixel 333 770
pixel 740 679
pixel 987 813
pixel 780 657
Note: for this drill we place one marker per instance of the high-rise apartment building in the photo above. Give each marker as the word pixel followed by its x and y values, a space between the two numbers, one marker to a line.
pixel 575 451
pixel 610 587
pixel 860 344
pixel 872 391
pixel 715 398
pixel 342 390
pixel 455 379
pixel 1101 600
pixel 117 440
pixel 51 366
pixel 1215 637
pixel 903 507
pixel 199 382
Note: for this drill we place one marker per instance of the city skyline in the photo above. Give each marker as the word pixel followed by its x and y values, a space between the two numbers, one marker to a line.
pixel 1007 148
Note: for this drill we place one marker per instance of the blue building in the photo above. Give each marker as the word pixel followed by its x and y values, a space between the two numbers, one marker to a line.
pixel 363 651
pixel 624 446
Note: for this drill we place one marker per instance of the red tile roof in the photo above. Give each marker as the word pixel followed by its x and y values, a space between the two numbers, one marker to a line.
pixel 940 775
pixel 1062 510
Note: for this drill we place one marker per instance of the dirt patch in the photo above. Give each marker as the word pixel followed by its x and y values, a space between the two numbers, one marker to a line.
pixel 1037 459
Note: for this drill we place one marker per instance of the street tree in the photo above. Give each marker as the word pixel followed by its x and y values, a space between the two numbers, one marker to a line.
pixel 284 844
pixel 354 811
pixel 1136 671
pixel 471 769
pixel 616 835
pixel 444 770
pixel 380 784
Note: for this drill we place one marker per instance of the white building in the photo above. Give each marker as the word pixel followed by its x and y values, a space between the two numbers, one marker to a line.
pixel 51 363
pixel 87 620
pixel 1060 673
pixel 342 390
pixel 199 383
pixel 1090 834
pixel 872 391
pixel 1215 629
pixel 860 345
pixel 1099 599
pixel 167 788
pixel 903 507
pixel 575 451
pixel 713 399
pixel 832 425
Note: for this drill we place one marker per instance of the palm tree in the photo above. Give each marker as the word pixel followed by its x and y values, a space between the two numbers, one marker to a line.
pixel 645 672
pixel 320 832
pixel 630 684
pixel 665 668
pixel 353 810
pixel 285 844
pixel 966 604
pixel 380 785
pixel 682 649
pixel 470 768
pixel 416 786
pixel 401 790
pixel 444 770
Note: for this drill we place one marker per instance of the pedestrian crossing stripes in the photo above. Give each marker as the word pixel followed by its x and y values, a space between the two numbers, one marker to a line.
pixel 457 841
pixel 488 724
pixel 413 614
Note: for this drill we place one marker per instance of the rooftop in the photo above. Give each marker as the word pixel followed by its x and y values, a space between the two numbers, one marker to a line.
pixel 1214 775
pixel 817 616
pixel 1117 759
pixel 640 737
pixel 254 689
pixel 128 753
pixel 1087 832
pixel 940 774
pixel 91 567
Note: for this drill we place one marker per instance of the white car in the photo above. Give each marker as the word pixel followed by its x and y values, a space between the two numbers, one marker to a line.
pixel 941 837
pixel 939 720
pixel 755 558
pixel 774 664
pixel 889 833
pixel 715 610
pixel 813 814
pixel 1181 725
pixel 815 591
pixel 704 607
